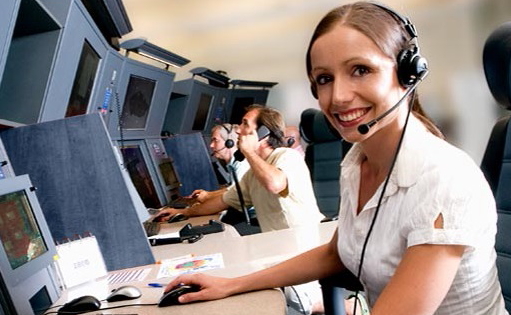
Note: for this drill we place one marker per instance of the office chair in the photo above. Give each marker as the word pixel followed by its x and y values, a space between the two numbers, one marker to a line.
pixel 496 163
pixel 323 156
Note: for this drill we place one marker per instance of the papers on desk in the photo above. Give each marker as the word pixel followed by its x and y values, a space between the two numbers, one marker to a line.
pixel 128 276
pixel 190 264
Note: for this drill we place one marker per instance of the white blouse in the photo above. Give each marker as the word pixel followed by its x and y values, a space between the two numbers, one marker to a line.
pixel 430 178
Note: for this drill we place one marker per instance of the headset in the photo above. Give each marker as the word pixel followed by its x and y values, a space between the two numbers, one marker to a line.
pixel 229 143
pixel 410 64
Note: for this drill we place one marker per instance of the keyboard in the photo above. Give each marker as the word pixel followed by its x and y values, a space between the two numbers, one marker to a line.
pixel 182 202
pixel 151 228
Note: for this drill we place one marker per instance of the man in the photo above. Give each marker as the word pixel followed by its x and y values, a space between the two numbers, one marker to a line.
pixel 223 145
pixel 278 183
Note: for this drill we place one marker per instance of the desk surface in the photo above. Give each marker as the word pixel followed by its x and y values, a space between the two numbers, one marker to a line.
pixel 241 255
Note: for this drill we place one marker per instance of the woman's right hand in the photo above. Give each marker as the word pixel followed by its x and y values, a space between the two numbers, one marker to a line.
pixel 211 288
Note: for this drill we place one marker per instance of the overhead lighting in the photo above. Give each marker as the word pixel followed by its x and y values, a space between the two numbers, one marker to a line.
pixel 148 50
pixel 246 83
pixel 214 77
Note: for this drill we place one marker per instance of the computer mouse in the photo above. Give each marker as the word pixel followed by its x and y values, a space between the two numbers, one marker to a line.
pixel 123 293
pixel 82 304
pixel 171 297
pixel 177 218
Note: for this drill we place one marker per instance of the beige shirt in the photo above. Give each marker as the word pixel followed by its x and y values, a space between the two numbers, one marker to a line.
pixel 275 212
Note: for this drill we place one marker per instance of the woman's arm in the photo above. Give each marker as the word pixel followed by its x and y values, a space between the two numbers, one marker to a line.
pixel 317 263
pixel 421 280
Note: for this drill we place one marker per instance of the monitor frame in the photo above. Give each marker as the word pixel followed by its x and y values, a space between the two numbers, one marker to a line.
pixel 14 276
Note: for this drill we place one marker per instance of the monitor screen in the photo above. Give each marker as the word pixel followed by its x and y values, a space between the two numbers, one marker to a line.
pixel 19 233
pixel 26 242
pixel 202 111
pixel 169 174
pixel 84 81
pixel 239 108
pixel 140 176
pixel 137 103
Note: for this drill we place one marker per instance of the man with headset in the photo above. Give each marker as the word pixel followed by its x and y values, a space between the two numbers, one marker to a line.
pixel 223 145
pixel 277 184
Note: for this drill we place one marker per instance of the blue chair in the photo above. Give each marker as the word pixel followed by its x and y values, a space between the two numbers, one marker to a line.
pixel 323 155
pixel 496 163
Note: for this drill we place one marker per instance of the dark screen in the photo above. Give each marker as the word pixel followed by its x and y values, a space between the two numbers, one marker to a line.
pixel 169 174
pixel 239 107
pixel 140 176
pixel 137 103
pixel 202 111
pixel 84 81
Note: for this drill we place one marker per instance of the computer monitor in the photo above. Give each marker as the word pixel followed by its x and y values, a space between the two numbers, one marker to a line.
pixel 136 163
pixel 84 81
pixel 143 93
pixel 202 113
pixel 137 102
pixel 27 248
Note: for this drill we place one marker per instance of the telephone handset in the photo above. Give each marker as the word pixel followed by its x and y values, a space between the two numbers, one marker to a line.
pixel 262 132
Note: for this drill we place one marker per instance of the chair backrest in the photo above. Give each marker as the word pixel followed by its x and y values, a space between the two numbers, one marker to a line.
pixel 496 163
pixel 323 155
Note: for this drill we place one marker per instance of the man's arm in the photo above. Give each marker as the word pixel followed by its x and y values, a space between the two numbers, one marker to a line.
pixel 272 178
pixel 211 206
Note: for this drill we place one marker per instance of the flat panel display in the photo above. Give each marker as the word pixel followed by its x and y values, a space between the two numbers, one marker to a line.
pixel 137 102
pixel 27 245
pixel 19 233
pixel 140 175
pixel 203 108
pixel 83 82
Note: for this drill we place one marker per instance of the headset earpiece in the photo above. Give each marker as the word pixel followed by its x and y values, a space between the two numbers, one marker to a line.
pixel 290 141
pixel 410 65
pixel 229 143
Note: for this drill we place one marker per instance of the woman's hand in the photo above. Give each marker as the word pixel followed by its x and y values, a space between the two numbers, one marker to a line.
pixel 211 288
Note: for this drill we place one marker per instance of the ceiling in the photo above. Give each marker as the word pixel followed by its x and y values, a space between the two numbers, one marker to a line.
pixel 254 40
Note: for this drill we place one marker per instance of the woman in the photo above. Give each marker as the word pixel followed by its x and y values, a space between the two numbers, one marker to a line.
pixel 430 248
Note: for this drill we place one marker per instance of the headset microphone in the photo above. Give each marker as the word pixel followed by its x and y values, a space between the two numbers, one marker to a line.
pixel 364 128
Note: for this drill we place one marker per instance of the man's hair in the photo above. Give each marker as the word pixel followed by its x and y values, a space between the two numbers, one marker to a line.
pixel 273 120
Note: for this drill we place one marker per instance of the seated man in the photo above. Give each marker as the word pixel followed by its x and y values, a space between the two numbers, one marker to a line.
pixel 223 143
pixel 277 184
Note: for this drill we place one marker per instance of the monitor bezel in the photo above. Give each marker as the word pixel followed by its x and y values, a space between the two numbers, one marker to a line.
pixel 15 276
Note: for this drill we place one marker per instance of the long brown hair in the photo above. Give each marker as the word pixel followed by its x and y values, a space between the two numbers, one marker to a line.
pixel 384 29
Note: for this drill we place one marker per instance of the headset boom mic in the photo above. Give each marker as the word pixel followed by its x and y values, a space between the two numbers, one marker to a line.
pixel 364 128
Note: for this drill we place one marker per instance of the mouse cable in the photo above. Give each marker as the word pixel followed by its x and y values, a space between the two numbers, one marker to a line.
pixel 380 199
pixel 299 299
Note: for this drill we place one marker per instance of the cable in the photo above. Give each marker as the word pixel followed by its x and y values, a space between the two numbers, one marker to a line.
pixel 120 124
pixel 299 300
pixel 380 199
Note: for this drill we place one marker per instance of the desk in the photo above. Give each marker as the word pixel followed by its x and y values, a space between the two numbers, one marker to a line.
pixel 241 255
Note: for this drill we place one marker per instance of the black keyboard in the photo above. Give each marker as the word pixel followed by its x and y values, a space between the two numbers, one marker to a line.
pixel 151 228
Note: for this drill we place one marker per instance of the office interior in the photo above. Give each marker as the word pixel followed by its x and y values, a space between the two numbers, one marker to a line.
pixel 106 108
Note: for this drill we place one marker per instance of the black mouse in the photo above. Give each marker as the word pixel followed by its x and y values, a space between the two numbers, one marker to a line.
pixel 123 293
pixel 82 304
pixel 177 218
pixel 171 297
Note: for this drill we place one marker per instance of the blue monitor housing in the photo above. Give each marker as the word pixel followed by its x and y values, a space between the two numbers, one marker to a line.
pixel 7 21
pixel 27 249
pixel 244 93
pixel 198 103
pixel 54 59
pixel 141 97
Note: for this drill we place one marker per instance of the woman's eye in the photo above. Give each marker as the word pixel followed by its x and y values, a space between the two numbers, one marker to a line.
pixel 360 71
pixel 323 79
